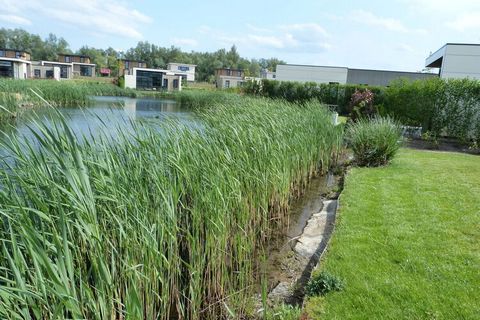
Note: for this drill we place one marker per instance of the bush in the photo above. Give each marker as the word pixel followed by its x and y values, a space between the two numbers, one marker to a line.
pixel 323 283
pixel 374 141
pixel 361 104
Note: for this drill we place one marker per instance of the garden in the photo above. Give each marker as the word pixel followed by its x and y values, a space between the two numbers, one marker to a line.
pixel 174 220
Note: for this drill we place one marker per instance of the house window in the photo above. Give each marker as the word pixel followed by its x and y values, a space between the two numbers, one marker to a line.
pixel 68 59
pixel 165 83
pixel 37 73
pixel 18 55
pixel 175 83
pixel 183 68
pixel 64 72
pixel 274 76
pixel 239 73
pixel 227 83
pixel 2 53
pixel 49 74
pixel 82 60
pixel 127 64
pixel 85 71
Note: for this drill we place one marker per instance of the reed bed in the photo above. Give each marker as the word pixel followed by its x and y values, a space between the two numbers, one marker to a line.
pixel 21 93
pixel 156 224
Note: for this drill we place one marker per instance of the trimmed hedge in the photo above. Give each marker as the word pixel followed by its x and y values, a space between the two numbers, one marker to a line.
pixel 441 107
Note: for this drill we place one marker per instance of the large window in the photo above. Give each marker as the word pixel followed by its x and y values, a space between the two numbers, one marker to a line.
pixel 6 69
pixel 49 74
pixel 149 80
pixel 85 71
pixel 64 72
pixel 37 73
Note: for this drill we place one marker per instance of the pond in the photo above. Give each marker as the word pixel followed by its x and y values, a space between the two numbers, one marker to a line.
pixel 103 114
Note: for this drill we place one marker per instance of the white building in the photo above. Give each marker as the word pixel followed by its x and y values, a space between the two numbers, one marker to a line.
pixel 266 74
pixel 456 61
pixel 188 69
pixel 319 74
pixel 14 64
pixel 154 79
pixel 343 75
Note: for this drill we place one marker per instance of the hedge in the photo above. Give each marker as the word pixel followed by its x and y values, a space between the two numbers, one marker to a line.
pixel 441 107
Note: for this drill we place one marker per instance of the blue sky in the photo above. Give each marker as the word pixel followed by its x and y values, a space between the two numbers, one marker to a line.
pixel 395 34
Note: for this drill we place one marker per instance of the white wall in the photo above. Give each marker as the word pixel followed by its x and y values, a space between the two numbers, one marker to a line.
pixel 131 81
pixel 461 61
pixel 190 73
pixel 317 74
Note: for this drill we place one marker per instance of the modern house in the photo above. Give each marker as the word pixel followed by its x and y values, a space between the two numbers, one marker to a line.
pixel 52 70
pixel 188 69
pixel 81 64
pixel 14 64
pixel 266 74
pixel 456 61
pixel 153 79
pixel 344 75
pixel 229 78
pixel 125 66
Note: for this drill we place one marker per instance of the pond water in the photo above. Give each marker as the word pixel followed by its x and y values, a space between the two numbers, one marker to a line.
pixel 104 112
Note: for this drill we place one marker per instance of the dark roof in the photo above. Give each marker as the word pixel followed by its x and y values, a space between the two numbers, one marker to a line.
pixel 411 72
pixel 132 60
pixel 74 55
pixel 19 50
pixel 230 69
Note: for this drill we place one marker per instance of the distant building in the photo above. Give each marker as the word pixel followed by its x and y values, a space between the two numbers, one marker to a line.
pixel 125 66
pixel 81 64
pixel 154 79
pixel 52 70
pixel 343 75
pixel 14 64
pixel 105 72
pixel 266 74
pixel 456 61
pixel 188 69
pixel 229 78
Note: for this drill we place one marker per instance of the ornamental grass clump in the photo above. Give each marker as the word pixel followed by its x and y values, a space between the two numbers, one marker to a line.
pixel 374 141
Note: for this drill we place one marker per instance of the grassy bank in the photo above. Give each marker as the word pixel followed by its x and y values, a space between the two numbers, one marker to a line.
pixel 406 244
pixel 159 224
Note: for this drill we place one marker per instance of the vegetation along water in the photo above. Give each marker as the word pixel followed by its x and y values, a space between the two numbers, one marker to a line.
pixel 149 223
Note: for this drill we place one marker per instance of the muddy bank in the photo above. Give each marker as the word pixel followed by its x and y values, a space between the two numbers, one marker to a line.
pixel 293 255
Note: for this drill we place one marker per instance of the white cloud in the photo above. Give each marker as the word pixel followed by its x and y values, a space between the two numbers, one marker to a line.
pixel 185 42
pixel 96 17
pixel 14 19
pixel 369 18
pixel 307 38
pixel 465 22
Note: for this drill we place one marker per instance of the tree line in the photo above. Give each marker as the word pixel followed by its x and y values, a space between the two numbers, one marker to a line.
pixel 154 55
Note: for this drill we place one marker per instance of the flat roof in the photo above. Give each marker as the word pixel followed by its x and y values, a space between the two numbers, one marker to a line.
pixel 356 69
pixel 19 50
pixel 132 60
pixel 55 62
pixel 310 65
pixel 85 64
pixel 15 60
pixel 183 64
pixel 73 55
pixel 161 71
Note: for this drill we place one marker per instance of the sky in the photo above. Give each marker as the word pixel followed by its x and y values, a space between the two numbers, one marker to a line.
pixel 392 35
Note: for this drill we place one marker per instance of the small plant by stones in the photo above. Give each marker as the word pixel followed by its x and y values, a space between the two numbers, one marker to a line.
pixel 323 283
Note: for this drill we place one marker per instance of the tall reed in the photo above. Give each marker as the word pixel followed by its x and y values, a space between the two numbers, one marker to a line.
pixel 155 224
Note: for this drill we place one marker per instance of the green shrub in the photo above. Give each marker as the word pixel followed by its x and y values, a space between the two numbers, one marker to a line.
pixel 284 312
pixel 374 141
pixel 323 283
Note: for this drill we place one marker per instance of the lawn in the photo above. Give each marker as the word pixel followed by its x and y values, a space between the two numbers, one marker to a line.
pixel 407 241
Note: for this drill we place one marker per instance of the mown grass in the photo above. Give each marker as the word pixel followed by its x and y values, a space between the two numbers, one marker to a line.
pixel 407 241
pixel 154 224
